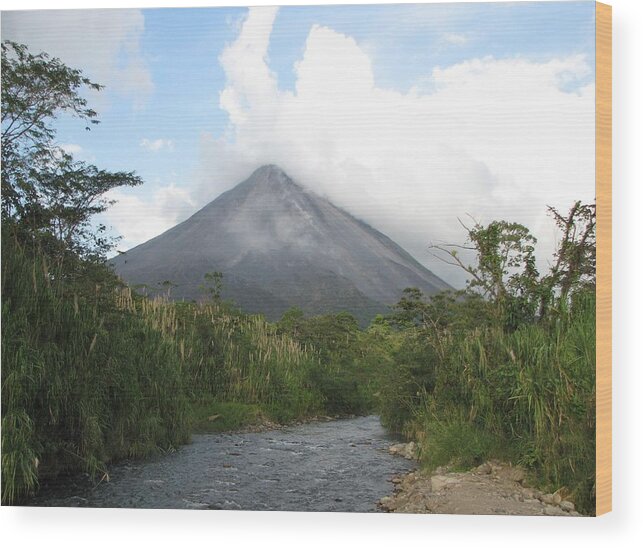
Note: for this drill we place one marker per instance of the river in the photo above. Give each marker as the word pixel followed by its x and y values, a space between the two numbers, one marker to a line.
pixel 335 466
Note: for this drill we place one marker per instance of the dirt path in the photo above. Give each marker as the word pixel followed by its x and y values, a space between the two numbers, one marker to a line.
pixel 492 488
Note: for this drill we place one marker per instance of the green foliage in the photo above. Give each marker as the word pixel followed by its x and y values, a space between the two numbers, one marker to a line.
pixel 82 382
pixel 46 194
pixel 458 442
pixel 209 415
pixel 340 375
pixel 91 377
pixel 213 285
pixel 526 395
pixel 507 371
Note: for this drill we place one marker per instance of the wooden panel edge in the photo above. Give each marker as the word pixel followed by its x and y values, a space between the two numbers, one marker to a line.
pixel 603 258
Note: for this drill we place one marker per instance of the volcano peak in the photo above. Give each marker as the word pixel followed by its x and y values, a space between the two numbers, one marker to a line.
pixel 278 246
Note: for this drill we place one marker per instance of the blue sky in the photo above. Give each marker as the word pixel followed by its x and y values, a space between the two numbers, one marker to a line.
pixel 161 105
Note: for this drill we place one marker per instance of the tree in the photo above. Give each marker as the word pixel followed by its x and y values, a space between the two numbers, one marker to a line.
pixel 48 196
pixel 504 272
pixel 574 266
pixel 213 285
pixel 505 268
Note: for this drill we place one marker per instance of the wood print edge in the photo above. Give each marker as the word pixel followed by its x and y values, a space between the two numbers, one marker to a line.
pixel 603 258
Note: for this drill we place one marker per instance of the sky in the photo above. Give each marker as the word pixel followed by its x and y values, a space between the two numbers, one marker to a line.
pixel 409 116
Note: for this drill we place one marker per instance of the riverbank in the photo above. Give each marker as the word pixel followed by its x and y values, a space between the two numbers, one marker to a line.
pixel 241 418
pixel 491 488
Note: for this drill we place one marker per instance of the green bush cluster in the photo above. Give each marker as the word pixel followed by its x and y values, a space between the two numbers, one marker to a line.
pixel 525 395
pixel 82 382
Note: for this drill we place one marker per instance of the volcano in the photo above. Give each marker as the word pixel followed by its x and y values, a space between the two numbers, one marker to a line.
pixel 279 245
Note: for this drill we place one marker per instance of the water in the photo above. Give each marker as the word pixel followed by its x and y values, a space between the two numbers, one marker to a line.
pixel 338 466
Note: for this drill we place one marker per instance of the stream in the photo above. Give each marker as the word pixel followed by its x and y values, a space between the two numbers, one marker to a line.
pixel 336 466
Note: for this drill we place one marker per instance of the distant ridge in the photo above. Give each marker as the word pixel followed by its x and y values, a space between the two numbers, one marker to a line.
pixel 279 245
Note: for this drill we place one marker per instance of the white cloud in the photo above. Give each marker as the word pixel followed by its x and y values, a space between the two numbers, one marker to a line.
pixel 154 145
pixel 166 207
pixel 496 138
pixel 105 44
pixel 455 39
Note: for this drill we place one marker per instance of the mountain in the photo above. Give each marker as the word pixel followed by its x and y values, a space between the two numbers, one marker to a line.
pixel 279 245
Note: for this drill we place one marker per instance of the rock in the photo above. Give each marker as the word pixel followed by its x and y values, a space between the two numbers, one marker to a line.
pixel 568 506
pixel 557 498
pixel 516 474
pixel 406 450
pixel 387 503
pixel 212 418
pixel 551 511
pixel 440 482
pixel 77 501
pixel 396 449
pixel 547 498
pixel 484 469
pixel 410 451
pixel 495 467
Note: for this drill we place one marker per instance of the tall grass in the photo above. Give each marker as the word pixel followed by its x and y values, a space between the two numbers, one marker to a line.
pixel 527 396
pixel 82 382
pixel 90 376
pixel 232 356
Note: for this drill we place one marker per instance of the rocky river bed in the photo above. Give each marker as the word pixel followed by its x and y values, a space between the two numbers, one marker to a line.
pixel 336 466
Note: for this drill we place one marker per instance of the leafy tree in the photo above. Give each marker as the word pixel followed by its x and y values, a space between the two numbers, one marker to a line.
pixel 213 285
pixel 452 310
pixel 46 195
pixel 505 274
pixel 504 271
pixel 574 265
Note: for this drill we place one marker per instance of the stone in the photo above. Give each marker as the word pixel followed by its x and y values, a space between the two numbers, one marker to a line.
pixel 440 482
pixel 406 450
pixel 484 469
pixel 551 510
pixel 410 450
pixel 557 499
pixel 389 504
pixel 396 449
pixel 516 474
pixel 567 505
pixel 547 498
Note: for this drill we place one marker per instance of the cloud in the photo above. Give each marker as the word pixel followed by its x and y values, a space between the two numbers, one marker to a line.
pixel 104 43
pixel 494 138
pixel 454 38
pixel 166 207
pixel 154 145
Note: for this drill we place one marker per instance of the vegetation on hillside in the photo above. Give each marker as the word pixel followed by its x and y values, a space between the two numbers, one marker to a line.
pixel 505 369
pixel 93 372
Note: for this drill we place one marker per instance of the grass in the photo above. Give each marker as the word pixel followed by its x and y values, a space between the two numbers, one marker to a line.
pixel 95 373
pixel 213 416
pixel 527 396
